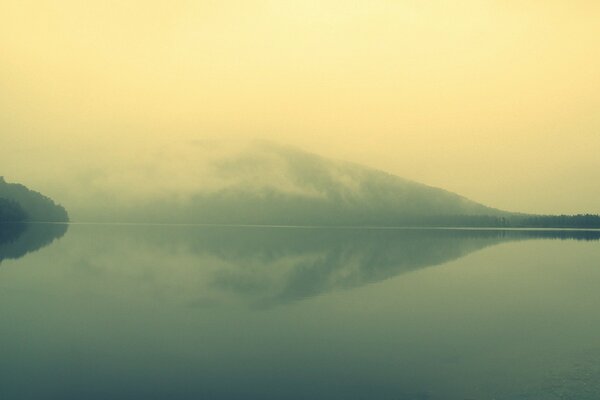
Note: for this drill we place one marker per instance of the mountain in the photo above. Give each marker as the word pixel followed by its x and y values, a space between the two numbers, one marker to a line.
pixel 202 182
pixel 272 184
pixel 20 204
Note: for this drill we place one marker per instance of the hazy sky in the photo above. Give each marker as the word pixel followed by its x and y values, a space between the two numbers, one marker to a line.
pixel 496 100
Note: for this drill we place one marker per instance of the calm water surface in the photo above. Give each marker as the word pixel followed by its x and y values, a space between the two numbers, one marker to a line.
pixel 174 312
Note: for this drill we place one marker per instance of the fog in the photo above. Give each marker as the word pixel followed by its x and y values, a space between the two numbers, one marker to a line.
pixel 497 102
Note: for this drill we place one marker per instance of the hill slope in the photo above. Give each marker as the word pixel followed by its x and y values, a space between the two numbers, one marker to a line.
pixel 18 203
pixel 271 184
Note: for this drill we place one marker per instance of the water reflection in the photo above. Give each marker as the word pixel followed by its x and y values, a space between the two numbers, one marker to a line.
pixel 17 240
pixel 268 266
pixel 139 312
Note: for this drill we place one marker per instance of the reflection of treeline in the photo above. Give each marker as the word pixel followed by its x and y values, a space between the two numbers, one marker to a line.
pixel 9 232
pixel 18 239
pixel 22 204
pixel 557 234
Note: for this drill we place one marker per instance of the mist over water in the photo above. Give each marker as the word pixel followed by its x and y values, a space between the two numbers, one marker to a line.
pixel 149 311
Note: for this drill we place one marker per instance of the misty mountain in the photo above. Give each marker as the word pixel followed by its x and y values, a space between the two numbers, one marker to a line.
pixel 271 184
pixel 19 204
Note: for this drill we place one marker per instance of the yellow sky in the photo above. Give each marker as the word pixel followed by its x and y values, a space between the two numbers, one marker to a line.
pixel 496 100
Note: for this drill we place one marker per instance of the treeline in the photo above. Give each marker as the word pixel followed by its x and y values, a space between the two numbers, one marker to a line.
pixel 465 221
pixel 579 221
pixel 10 211
pixel 271 208
pixel 18 200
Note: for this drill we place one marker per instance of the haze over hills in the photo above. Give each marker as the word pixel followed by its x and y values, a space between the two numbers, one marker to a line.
pixel 261 183
pixel 267 183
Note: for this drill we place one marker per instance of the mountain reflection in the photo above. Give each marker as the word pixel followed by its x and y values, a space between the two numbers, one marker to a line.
pixel 17 240
pixel 268 266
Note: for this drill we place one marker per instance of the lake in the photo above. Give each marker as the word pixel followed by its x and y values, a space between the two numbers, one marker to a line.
pixel 199 312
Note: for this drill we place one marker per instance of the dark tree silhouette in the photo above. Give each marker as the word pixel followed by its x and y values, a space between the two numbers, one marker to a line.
pixel 10 211
pixel 34 205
